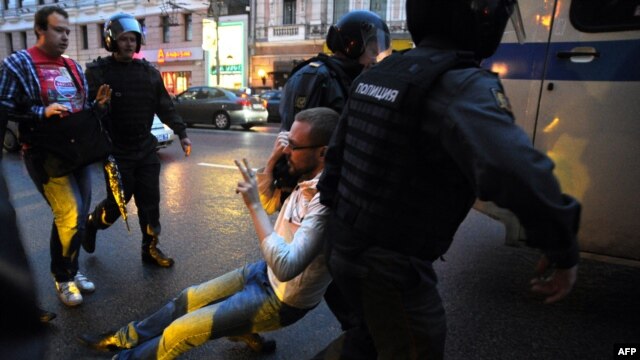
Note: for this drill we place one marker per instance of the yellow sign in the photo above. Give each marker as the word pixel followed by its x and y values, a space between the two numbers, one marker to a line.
pixel 173 54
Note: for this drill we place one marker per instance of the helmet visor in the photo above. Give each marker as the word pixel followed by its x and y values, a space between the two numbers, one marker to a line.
pixel 124 25
pixel 377 43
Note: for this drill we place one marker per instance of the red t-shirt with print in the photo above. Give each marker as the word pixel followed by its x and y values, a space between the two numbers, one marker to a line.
pixel 56 84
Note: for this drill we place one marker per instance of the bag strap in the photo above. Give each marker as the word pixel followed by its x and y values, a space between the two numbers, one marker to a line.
pixel 72 74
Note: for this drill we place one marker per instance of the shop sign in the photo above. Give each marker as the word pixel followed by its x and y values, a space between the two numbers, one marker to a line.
pixel 163 55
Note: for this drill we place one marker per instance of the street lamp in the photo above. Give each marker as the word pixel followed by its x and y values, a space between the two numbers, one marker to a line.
pixel 211 12
pixel 263 76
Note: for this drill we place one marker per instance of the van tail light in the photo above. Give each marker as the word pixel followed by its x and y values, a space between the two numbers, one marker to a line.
pixel 264 103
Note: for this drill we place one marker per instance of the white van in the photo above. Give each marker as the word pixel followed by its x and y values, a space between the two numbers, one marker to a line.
pixel 574 86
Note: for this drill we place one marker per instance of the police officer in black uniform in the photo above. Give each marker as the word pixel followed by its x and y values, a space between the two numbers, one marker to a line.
pixel 424 133
pixel 356 40
pixel 138 93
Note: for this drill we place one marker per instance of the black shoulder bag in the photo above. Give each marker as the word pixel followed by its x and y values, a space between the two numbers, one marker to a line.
pixel 72 141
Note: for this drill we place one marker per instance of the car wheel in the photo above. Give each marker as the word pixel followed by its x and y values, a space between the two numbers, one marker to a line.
pixel 10 143
pixel 221 121
pixel 247 127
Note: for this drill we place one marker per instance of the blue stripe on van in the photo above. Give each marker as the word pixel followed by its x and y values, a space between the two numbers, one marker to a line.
pixel 618 61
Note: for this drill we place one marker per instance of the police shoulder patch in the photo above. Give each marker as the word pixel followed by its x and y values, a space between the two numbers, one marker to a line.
pixel 501 100
pixel 300 102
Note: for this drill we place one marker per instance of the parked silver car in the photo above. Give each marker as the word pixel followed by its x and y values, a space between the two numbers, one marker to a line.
pixel 220 107
pixel 162 132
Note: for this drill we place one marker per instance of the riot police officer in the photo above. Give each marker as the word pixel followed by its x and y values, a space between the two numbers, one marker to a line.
pixel 138 93
pixel 423 134
pixel 356 40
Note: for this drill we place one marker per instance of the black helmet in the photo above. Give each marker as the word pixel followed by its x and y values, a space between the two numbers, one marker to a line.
pixel 473 25
pixel 355 30
pixel 118 24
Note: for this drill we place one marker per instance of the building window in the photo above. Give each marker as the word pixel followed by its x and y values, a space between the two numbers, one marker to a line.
pixel 19 4
pixel 340 7
pixel 100 35
pixel 9 38
pixel 24 39
pixel 379 7
pixel 84 33
pixel 289 15
pixel 188 27
pixel 176 82
pixel 165 29
pixel 6 4
pixel 143 26
pixel 40 2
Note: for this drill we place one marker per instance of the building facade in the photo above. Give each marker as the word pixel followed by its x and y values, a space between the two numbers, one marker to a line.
pixel 259 40
pixel 287 32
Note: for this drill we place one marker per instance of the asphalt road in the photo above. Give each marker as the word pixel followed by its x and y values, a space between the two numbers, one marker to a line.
pixel 207 230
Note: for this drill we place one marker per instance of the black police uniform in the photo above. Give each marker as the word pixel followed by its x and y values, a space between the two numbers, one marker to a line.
pixel 423 134
pixel 320 81
pixel 138 93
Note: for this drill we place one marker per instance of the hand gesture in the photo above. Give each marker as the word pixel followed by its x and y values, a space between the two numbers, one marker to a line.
pixel 555 286
pixel 249 186
pixel 104 95
pixel 282 141
pixel 186 146
pixel 55 109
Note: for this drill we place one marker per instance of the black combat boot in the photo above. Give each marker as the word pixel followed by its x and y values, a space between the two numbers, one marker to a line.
pixel 152 255
pixel 103 342
pixel 90 233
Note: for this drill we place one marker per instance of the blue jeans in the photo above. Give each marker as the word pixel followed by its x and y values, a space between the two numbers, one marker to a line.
pixel 69 198
pixel 236 303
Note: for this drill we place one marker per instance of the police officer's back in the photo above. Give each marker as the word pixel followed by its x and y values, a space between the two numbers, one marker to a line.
pixel 356 40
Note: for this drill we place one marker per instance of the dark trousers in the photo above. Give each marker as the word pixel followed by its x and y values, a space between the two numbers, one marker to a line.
pixel 140 180
pixel 396 297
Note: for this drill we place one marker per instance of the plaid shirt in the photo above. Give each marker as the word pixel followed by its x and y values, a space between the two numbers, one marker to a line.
pixel 20 87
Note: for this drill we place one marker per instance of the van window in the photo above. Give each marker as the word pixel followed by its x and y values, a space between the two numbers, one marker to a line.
pixel 605 15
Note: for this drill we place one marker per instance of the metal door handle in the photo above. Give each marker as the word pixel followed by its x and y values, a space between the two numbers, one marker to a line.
pixel 570 54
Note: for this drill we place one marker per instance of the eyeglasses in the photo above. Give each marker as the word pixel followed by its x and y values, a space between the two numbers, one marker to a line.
pixel 295 147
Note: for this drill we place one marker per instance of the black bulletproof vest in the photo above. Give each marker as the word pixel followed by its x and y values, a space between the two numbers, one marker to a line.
pixel 398 187
pixel 133 99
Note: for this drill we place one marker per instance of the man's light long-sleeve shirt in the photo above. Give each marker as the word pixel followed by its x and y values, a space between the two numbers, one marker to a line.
pixel 294 251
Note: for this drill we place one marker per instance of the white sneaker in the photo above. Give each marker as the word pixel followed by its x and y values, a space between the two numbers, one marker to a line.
pixel 68 293
pixel 83 283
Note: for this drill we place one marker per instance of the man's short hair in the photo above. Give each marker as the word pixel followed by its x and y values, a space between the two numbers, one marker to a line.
pixel 41 19
pixel 323 122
